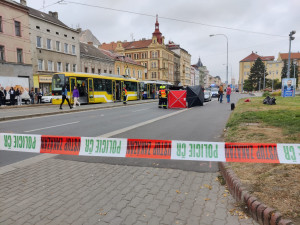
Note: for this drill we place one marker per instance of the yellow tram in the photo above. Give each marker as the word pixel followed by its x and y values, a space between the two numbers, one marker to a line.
pixel 94 88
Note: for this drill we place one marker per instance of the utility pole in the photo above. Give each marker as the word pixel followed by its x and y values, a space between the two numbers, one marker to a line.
pixel 264 80
pixel 289 61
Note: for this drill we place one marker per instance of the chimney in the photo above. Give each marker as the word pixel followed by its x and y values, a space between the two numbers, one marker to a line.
pixel 23 2
pixel 90 43
pixel 53 14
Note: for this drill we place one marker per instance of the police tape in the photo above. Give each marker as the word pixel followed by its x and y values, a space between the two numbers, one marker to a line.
pixel 153 149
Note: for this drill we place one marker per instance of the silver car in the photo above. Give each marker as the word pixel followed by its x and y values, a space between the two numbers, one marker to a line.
pixel 207 95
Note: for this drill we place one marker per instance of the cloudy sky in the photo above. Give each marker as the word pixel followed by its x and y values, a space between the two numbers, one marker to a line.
pixel 261 26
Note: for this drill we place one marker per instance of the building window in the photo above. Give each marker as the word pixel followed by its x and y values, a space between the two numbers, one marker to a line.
pixel 93 70
pixel 48 30
pixel 105 71
pixel 85 69
pixel 59 66
pixel 1 30
pixel 67 67
pixel 154 54
pixel 73 49
pixel 99 71
pixel 136 56
pixel 153 74
pixel 38 42
pixel 58 46
pixel 118 70
pixel 2 53
pixel 140 74
pixel 50 66
pixel 19 55
pixel 18 28
pixel 74 67
pixel 110 72
pixel 133 73
pixel 40 64
pixel 37 27
pixel 145 65
pixel 66 47
pixel 49 44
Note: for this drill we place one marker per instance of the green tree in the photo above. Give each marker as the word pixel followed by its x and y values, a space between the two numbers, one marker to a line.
pixel 285 68
pixel 256 76
pixel 247 86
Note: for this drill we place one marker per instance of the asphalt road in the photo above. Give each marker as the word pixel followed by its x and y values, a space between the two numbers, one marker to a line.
pixel 146 121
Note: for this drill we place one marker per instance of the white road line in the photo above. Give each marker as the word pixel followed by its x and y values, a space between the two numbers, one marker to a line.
pixel 44 128
pixel 113 133
pixel 140 110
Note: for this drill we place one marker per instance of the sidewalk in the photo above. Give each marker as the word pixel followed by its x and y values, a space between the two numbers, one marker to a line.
pixel 27 111
pixel 57 191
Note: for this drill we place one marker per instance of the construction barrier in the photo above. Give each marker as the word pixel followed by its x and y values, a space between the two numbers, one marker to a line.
pixel 153 149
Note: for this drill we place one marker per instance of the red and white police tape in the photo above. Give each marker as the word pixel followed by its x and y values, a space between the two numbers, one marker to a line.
pixel 154 149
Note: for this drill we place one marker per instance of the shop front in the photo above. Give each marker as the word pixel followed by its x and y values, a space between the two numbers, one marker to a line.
pixel 43 83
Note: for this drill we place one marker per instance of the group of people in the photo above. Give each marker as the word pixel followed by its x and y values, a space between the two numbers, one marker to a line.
pixel 221 92
pixel 14 96
pixel 65 97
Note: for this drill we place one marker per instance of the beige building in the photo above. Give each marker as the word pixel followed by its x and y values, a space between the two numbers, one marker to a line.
pixel 54 46
pixel 15 55
pixel 295 59
pixel 94 61
pixel 151 53
pixel 274 69
pixel 247 63
pixel 185 63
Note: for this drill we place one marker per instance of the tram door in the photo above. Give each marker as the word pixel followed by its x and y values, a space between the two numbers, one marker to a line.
pixel 148 90
pixel 91 90
pixel 114 90
pixel 72 84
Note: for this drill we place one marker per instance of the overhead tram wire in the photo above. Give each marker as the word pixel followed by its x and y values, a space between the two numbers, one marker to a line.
pixel 173 19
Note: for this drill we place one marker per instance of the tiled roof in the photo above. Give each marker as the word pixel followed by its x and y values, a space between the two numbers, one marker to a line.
pixel 127 45
pixel 285 56
pixel 47 17
pixel 252 57
pixel 118 57
pixel 92 51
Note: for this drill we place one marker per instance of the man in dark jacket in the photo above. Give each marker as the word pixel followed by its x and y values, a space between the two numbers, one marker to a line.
pixel 12 95
pixel 64 93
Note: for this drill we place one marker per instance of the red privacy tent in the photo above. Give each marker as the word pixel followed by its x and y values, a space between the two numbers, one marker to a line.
pixel 177 99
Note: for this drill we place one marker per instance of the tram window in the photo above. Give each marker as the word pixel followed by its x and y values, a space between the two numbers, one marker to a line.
pixel 108 86
pixel 131 86
pixel 97 84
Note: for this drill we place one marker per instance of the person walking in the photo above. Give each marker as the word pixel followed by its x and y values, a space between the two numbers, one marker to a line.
pixel 1 96
pixel 124 94
pixel 3 99
pixel 64 93
pixel 76 96
pixel 12 95
pixel 221 93
pixel 40 94
pixel 32 94
pixel 18 95
pixel 228 93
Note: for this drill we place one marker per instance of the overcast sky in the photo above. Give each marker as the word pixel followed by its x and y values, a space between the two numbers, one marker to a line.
pixel 274 17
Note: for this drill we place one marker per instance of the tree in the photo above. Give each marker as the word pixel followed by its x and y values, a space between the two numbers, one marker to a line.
pixel 285 68
pixel 247 86
pixel 257 73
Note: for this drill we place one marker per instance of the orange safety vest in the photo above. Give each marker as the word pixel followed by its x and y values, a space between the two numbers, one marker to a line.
pixel 125 92
pixel 163 93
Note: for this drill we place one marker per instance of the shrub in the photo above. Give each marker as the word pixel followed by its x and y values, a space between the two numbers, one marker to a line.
pixel 276 93
pixel 266 93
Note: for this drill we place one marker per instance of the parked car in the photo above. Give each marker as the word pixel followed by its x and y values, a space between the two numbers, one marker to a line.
pixel 207 95
pixel 47 99
pixel 214 92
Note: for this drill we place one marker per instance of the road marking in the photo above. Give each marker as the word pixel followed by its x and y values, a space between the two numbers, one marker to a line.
pixel 140 110
pixel 44 128
pixel 113 133
pixel 68 114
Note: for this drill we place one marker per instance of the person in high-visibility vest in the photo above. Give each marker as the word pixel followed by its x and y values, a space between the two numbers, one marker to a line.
pixel 164 97
pixel 159 97
pixel 124 94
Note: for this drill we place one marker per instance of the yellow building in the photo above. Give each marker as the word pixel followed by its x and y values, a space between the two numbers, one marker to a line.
pixel 247 63
pixel 126 66
pixel 151 53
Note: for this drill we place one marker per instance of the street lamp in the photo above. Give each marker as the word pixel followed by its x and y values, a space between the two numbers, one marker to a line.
pixel 227 54
pixel 289 62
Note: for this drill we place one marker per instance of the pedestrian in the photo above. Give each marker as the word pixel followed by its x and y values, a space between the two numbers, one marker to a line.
pixel 64 93
pixel 40 94
pixel 228 93
pixel 12 96
pixel 32 94
pixel 76 96
pixel 18 95
pixel 221 93
pixel 3 99
pixel 153 93
pixel 124 94
pixel 1 96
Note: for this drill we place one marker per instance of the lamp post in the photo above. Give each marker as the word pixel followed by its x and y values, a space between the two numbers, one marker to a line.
pixel 273 81
pixel 227 55
pixel 289 61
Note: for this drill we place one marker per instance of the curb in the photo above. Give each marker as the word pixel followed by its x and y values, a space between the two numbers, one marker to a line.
pixel 259 212
pixel 70 111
